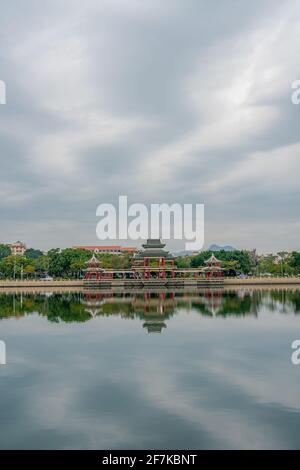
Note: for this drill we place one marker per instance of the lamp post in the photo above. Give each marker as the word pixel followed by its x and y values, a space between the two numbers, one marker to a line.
pixel 282 257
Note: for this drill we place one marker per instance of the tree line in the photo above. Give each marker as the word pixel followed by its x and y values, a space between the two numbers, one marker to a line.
pixel 70 263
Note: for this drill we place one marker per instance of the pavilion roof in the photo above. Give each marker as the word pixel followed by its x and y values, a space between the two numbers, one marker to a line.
pixel 93 261
pixel 213 260
pixel 153 243
pixel 154 248
pixel 153 254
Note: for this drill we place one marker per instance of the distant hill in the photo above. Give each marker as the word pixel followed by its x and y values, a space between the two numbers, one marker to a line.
pixel 219 248
pixel 183 253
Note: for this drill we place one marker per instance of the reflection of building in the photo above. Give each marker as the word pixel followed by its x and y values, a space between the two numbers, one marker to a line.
pixel 213 300
pixel 213 268
pixel 92 303
pixel 154 308
pixel 18 248
pixel 153 261
pixel 154 326
pixel 155 303
pixel 108 250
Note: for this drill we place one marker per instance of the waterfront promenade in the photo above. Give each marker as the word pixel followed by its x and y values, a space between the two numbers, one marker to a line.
pixel 75 283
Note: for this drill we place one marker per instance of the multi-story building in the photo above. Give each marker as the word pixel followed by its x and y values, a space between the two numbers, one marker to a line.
pixel 18 248
pixel 111 250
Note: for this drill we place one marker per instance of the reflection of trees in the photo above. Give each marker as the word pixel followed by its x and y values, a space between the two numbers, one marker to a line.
pixel 67 309
pixel 224 303
pixel 153 308
pixel 286 301
pixel 8 308
pixel 56 307
pixel 236 305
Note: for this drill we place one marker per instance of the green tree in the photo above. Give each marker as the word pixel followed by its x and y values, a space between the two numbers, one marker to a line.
pixel 183 262
pixel 33 254
pixel 29 270
pixel 13 266
pixel 294 261
pixel 242 259
pixel 267 264
pixel 67 262
pixel 42 265
pixel 4 251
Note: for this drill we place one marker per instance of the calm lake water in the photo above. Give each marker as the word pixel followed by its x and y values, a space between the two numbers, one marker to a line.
pixel 204 370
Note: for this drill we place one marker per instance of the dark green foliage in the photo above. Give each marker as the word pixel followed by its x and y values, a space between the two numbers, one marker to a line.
pixel 31 253
pixel 4 251
pixel 242 258
pixel 295 261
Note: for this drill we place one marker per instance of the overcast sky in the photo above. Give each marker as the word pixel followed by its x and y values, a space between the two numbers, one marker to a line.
pixel 161 100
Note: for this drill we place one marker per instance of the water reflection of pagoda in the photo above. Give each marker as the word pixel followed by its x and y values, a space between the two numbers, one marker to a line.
pixel 93 302
pixel 154 308
pixel 154 326
pixel 213 300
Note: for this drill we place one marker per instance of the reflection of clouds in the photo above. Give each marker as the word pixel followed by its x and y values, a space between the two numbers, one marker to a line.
pixel 228 428
pixel 263 382
pixel 53 401
pixel 210 383
pixel 53 408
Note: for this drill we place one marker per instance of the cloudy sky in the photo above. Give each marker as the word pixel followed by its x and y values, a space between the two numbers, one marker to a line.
pixel 161 100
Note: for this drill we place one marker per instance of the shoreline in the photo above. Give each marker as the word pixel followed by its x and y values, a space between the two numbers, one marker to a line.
pixel 79 284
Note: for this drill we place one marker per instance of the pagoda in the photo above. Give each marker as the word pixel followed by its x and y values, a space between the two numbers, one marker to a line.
pixel 93 271
pixel 153 261
pixel 213 268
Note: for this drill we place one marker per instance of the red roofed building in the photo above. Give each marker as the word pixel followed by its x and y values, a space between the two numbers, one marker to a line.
pixel 111 250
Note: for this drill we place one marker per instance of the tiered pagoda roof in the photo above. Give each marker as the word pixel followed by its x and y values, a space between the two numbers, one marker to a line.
pixel 154 248
pixel 213 265
pixel 213 260
pixel 93 264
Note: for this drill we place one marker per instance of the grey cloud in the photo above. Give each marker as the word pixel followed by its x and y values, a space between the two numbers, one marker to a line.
pixel 160 74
